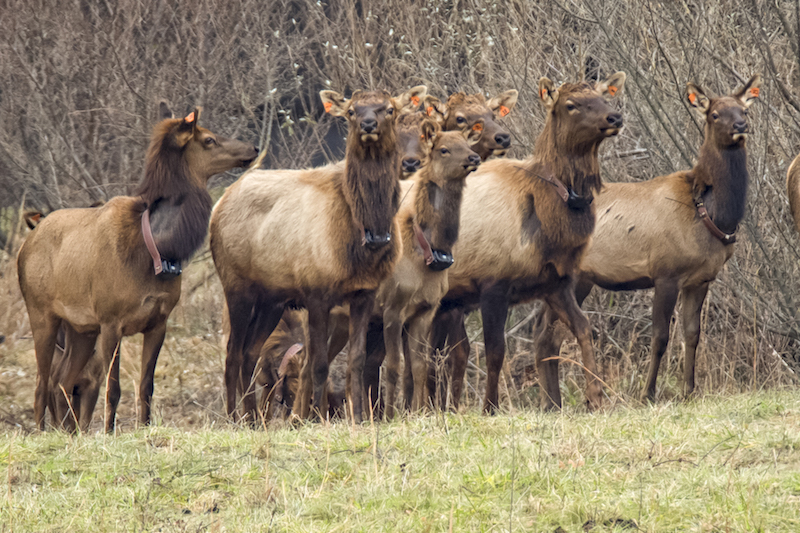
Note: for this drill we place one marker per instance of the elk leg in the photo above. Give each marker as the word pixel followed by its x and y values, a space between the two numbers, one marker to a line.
pixel 376 353
pixel 151 347
pixel 458 358
pixel 664 298
pixel 45 330
pixel 109 351
pixel 361 307
pixel 547 350
pixel 494 311
pixel 408 377
pixel 261 328
pixel 88 402
pixel 419 329
pixel 78 349
pixel 393 339
pixel 693 299
pixel 240 310
pixel 316 366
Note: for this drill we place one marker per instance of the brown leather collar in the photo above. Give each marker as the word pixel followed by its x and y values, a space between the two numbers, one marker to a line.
pixel 147 233
pixel 423 243
pixel 291 352
pixel 726 238
pixel 561 189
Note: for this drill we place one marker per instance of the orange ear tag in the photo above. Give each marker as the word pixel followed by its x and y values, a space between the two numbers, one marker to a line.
pixel 692 97
pixel 430 111
pixel 754 92
pixel 612 90
pixel 328 107
pixel 36 217
pixel 504 111
pixel 477 127
pixel 415 101
pixel 544 93
pixel 189 117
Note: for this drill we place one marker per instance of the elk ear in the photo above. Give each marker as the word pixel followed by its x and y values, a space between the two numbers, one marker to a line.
pixel 32 218
pixel 473 134
pixel 548 93
pixel 428 130
pixel 187 127
pixel 749 92
pixel 164 112
pixel 435 109
pixel 334 103
pixel 697 98
pixel 503 103
pixel 409 101
pixel 612 85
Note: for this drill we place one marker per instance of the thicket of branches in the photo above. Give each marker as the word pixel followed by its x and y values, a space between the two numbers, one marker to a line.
pixel 80 82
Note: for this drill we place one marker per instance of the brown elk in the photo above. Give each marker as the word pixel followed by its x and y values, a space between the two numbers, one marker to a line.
pixel 91 268
pixel 673 233
pixel 462 111
pixel 315 238
pixel 429 221
pixel 524 227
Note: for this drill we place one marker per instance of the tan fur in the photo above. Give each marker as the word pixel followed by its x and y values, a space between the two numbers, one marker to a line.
pixel 793 190
pixel 91 269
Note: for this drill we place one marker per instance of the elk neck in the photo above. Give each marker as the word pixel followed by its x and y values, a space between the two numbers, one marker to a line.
pixel 180 206
pixel 372 181
pixel 438 210
pixel 721 180
pixel 576 166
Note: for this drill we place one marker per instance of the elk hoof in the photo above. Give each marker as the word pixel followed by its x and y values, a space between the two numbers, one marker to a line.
pixel 441 260
pixel 578 202
pixel 376 242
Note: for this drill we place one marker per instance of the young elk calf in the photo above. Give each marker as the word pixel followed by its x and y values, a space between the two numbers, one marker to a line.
pixel 673 233
pixel 524 228
pixel 92 269
pixel 315 238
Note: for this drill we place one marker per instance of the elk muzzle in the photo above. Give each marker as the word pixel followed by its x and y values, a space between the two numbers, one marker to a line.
pixel 411 165
pixel 615 124
pixel 503 139
pixel 473 161
pixel 376 242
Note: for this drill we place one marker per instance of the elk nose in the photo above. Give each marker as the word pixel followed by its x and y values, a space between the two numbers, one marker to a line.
pixel 474 159
pixel 740 126
pixel 411 164
pixel 503 139
pixel 615 120
pixel 369 125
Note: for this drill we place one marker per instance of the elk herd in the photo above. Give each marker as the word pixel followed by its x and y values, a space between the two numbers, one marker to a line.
pixel 385 252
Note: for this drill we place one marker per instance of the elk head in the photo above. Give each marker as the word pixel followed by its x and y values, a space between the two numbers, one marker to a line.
pixel 206 153
pixel 462 112
pixel 579 113
pixel 726 116
pixel 452 156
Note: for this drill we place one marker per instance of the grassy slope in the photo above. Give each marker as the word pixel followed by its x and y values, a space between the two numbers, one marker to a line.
pixel 717 464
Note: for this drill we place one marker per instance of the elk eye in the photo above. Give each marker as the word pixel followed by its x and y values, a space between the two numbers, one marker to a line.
pixel 571 107
pixel 390 111
pixel 460 120
pixel 445 151
pixel 210 141
pixel 744 112
pixel 351 112
pixel 715 115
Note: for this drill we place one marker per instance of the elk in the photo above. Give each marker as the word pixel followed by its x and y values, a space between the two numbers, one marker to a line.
pixel 429 221
pixel 672 233
pixel 314 238
pixel 93 270
pixel 462 111
pixel 524 228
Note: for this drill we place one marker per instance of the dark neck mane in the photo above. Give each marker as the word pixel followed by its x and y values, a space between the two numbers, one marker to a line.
pixel 577 168
pixel 179 203
pixel 438 211
pixel 372 181
pixel 721 180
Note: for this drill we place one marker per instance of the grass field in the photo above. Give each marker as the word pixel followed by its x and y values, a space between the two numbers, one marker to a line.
pixel 715 464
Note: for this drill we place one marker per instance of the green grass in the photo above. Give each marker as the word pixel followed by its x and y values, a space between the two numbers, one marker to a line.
pixel 715 464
